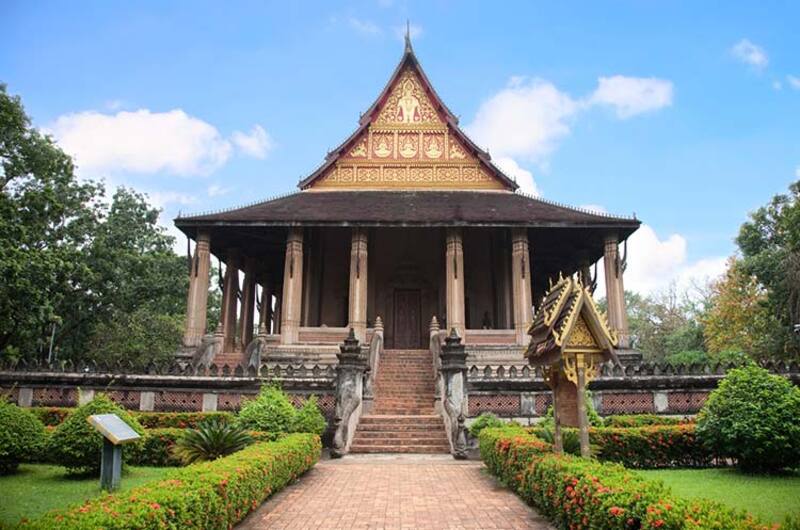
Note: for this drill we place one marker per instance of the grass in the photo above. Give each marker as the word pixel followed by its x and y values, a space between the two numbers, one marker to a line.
pixel 770 498
pixel 36 489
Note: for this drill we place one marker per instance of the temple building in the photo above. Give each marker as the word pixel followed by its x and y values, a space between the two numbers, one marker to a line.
pixel 406 223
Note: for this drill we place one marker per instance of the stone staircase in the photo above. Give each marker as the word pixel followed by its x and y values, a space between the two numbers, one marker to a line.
pixel 403 419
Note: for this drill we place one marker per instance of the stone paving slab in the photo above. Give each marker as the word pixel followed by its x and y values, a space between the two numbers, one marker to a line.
pixel 395 491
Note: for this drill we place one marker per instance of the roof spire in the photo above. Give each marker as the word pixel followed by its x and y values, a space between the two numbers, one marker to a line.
pixel 408 35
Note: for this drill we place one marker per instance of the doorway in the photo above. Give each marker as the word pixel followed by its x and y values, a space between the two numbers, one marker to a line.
pixel 407 319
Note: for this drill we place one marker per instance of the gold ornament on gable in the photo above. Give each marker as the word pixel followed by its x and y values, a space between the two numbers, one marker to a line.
pixel 408 104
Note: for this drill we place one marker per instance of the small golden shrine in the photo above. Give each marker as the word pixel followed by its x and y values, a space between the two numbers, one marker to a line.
pixel 569 340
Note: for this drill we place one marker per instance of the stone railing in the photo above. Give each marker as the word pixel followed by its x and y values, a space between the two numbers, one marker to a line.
pixel 520 391
pixel 375 341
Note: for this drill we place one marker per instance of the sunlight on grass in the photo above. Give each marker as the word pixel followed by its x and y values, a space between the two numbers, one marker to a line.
pixel 35 489
pixel 770 498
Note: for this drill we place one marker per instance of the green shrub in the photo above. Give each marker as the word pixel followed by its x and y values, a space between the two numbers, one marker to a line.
pixel 580 493
pixel 309 418
pixel 752 418
pixel 486 419
pixel 270 411
pixel 210 495
pixel 183 420
pixel 210 441
pixel 642 420
pixel 155 448
pixel 76 445
pixel 22 437
pixel 650 447
pixel 51 416
pixel 570 440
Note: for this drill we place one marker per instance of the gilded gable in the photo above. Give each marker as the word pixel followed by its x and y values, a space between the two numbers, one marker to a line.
pixel 408 104
pixel 581 336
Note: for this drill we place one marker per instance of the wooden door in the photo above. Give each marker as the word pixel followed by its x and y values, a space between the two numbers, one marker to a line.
pixel 407 317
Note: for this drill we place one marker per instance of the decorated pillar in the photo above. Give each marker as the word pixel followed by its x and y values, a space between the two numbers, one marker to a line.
pixel 230 299
pixel 357 301
pixel 455 280
pixel 615 291
pixel 197 297
pixel 247 314
pixel 265 316
pixel 292 287
pixel 521 283
pixel 454 376
pixel 349 392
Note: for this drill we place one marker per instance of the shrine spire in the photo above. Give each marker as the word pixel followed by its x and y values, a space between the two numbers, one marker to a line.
pixel 408 35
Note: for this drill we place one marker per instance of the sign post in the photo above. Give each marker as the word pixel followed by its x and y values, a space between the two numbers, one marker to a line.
pixel 115 433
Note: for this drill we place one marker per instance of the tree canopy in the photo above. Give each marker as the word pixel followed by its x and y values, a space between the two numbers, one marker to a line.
pixel 77 270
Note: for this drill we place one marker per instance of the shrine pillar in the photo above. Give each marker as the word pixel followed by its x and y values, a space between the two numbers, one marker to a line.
pixel 455 280
pixel 265 316
pixel 230 299
pixel 615 291
pixel 247 314
pixel 521 283
pixel 357 300
pixel 197 297
pixel 292 287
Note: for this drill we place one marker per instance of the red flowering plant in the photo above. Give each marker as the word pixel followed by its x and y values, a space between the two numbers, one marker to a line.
pixel 656 446
pixel 578 493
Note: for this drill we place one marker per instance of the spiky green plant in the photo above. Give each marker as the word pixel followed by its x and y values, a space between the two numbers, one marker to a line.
pixel 211 440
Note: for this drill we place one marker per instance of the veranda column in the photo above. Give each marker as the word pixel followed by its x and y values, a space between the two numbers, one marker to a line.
pixel 230 299
pixel 615 291
pixel 357 301
pixel 265 317
pixel 248 304
pixel 455 280
pixel 292 287
pixel 521 283
pixel 197 297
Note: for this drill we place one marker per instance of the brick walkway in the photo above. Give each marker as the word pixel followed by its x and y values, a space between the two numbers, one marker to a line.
pixel 415 491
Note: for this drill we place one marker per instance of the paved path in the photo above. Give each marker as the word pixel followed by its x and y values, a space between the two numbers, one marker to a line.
pixel 414 491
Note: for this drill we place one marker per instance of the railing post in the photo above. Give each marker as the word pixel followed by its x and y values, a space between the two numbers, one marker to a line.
pixel 454 376
pixel 349 391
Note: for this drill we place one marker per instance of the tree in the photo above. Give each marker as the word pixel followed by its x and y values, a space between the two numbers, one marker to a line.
pixel 739 318
pixel 770 246
pixel 46 218
pixel 99 280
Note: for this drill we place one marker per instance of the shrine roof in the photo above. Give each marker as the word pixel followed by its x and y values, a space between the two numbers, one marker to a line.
pixel 409 208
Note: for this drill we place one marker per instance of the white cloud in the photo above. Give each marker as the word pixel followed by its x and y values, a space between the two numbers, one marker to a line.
pixel 632 95
pixel 256 144
pixel 141 142
pixel 365 27
pixel 750 54
pixel 523 177
pixel 526 118
pixel 160 199
pixel 215 190
pixel 655 263
pixel 794 82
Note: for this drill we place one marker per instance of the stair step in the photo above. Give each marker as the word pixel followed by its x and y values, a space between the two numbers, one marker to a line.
pixel 428 449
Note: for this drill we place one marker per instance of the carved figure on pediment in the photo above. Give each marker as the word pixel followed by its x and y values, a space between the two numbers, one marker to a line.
pixel 456 152
pixel 382 148
pixel 408 107
pixel 433 149
pixel 360 150
pixel 408 146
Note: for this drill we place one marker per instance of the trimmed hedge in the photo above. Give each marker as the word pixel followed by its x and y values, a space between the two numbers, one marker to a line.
pixel 209 495
pixel 643 420
pixel 22 437
pixel 155 447
pixel 657 446
pixel 52 416
pixel 578 493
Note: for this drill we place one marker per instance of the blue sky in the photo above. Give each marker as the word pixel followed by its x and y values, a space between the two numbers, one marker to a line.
pixel 686 114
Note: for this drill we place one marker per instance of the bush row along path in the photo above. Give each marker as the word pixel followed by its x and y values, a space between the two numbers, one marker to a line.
pixel 414 491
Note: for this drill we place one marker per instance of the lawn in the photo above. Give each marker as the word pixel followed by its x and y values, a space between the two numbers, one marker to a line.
pixel 767 497
pixel 36 488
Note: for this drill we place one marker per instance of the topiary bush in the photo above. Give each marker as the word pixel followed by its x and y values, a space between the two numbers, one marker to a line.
pixel 486 419
pixel 752 418
pixel 309 418
pixel 271 411
pixel 22 437
pixel 76 445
